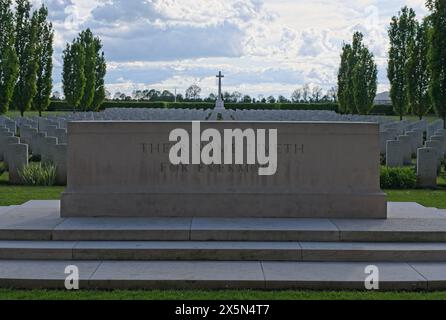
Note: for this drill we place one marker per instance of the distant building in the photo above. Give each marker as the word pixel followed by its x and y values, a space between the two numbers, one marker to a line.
pixel 383 98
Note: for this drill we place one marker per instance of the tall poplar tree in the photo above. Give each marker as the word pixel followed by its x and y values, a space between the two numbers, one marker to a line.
pixel 345 98
pixel 417 73
pixel 365 81
pixel 401 33
pixel 44 56
pixel 93 71
pixel 73 78
pixel 357 77
pixel 437 56
pixel 86 39
pixel 25 46
pixel 8 58
pixel 99 92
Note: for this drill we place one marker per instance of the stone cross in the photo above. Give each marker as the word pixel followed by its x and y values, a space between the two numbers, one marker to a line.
pixel 220 103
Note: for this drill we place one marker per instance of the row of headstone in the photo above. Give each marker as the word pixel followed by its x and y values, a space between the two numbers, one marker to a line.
pixel 429 159
pixel 399 151
pixel 391 130
pixel 9 124
pixel 399 140
pixel 201 115
pixel 50 143
pixel 38 136
pixel 13 153
pixel 429 155
pixel 433 128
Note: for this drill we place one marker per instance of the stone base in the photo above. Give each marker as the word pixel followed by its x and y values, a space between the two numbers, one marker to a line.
pixel 345 206
pixel 220 105
pixel 36 245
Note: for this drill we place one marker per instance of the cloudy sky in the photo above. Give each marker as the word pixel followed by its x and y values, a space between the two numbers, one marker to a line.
pixel 262 46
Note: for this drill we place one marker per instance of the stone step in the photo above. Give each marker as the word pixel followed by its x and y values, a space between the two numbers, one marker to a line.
pixel 40 220
pixel 222 275
pixel 6 209
pixel 222 251
pixel 266 230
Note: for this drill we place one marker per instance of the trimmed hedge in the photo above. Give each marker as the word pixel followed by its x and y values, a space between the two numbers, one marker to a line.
pixel 377 110
pixel 398 178
pixel 63 106
pixel 383 109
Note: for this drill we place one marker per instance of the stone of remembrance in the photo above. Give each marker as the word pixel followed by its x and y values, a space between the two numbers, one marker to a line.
pixel 324 170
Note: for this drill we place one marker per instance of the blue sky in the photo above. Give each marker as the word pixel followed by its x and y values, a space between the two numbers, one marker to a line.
pixel 262 46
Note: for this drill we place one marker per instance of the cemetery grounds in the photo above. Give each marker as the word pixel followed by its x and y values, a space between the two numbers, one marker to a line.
pixel 16 195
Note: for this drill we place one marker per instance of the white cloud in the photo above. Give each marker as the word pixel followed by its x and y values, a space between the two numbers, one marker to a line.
pixel 264 46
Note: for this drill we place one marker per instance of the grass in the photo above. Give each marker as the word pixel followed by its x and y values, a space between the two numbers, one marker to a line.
pixel 241 295
pixel 427 198
pixel 16 195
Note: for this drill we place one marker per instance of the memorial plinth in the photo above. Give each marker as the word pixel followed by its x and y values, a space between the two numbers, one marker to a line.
pixel 324 170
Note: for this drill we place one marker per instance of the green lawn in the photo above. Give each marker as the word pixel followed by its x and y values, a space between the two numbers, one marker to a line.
pixel 216 295
pixel 15 195
pixel 427 198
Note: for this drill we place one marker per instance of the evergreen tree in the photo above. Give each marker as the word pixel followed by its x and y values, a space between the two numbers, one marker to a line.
pixel 8 57
pixel 25 46
pixel 44 54
pixel 437 56
pixel 73 78
pixel 417 73
pixel 401 33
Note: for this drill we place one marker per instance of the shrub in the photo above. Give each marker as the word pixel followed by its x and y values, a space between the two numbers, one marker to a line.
pixel 398 178
pixel 383 159
pixel 38 174
pixel 35 158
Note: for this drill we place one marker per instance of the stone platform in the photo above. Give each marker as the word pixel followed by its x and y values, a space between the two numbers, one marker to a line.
pixel 211 253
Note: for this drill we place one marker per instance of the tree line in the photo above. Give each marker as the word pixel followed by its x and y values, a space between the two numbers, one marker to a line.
pixel 304 94
pixel 26 49
pixel 417 61
pixel 416 66
pixel 26 62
